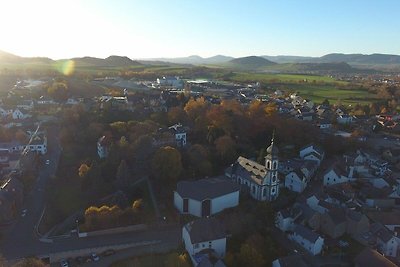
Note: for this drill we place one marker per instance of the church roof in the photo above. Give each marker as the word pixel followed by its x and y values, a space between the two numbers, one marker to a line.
pixel 249 170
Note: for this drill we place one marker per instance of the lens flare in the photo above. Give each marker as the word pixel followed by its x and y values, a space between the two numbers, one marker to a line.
pixel 66 67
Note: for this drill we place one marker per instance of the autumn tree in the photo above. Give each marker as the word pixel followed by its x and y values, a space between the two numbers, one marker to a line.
pixel 249 256
pixel 199 160
pixel 83 170
pixel 58 91
pixel 177 260
pixel 167 165
pixel 195 107
pixel 176 115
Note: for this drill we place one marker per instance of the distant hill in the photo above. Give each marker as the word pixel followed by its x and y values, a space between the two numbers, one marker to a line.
pixel 195 60
pixel 249 63
pixel 361 59
pixel 111 61
pixel 290 59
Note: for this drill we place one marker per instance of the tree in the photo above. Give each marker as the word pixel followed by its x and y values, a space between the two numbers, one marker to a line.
pixel 177 260
pixel 226 148
pixel 58 91
pixel 249 256
pixel 195 107
pixel 83 170
pixel 176 115
pixel 30 262
pixel 122 176
pixel 167 165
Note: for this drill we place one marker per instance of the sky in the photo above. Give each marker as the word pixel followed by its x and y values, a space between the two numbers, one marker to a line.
pixel 178 28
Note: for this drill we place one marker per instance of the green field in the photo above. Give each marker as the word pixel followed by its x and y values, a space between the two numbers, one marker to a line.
pixel 319 93
pixel 313 87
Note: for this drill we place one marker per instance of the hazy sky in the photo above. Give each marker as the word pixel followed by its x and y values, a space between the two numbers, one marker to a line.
pixel 174 28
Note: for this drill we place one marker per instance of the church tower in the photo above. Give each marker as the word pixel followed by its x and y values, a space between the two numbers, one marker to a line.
pixel 271 181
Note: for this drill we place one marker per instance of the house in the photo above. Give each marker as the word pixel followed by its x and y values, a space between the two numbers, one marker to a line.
pixel 371 258
pixel 334 223
pixel 337 174
pixel 72 101
pixel 357 223
pixel 38 143
pixel 11 197
pixel 103 145
pixel 260 181
pixel 384 239
pixel 308 239
pixel 170 81
pixel 20 114
pixel 206 197
pixel 26 104
pixel 312 152
pixel 344 119
pixel 285 219
pixel 390 219
pixel 296 181
pixel 295 260
pixel 324 124
pixel 204 236
pixel 180 134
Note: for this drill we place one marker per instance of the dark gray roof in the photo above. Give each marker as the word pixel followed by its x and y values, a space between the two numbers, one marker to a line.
pixel 371 258
pixel 205 229
pixel 206 188
pixel 337 216
pixel 292 261
pixel 306 233
pixel 381 232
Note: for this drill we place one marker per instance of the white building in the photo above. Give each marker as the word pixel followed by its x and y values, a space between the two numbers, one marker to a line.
pixel 296 181
pixel 386 241
pixel 344 119
pixel 180 134
pixel 103 146
pixel 206 197
pixel 170 81
pixel 312 152
pixel 20 114
pixel 308 239
pixel 260 181
pixel 284 219
pixel 338 175
pixel 38 143
pixel 202 236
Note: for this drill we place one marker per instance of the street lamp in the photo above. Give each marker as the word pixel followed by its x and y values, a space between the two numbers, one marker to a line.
pixel 77 226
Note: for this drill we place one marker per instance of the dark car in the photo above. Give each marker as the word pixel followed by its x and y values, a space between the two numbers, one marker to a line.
pixel 108 252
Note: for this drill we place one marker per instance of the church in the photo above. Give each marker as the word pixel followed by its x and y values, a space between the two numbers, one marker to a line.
pixel 260 181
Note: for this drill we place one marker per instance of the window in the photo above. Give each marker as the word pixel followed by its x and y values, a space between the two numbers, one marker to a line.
pixel 264 191
pixel 275 165
pixel 253 189
pixel 273 190
pixel 196 245
pixel 203 245
pixel 268 164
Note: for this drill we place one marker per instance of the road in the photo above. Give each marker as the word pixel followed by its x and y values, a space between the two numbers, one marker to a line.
pixel 21 239
pixel 21 235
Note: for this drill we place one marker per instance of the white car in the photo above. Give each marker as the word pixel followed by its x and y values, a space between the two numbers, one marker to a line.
pixel 47 162
pixel 23 213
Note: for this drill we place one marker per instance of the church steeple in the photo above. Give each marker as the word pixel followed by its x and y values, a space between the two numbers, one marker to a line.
pixel 271 180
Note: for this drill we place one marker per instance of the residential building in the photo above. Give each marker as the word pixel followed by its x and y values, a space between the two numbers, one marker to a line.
pixel 371 258
pixel 103 145
pixel 290 261
pixel 296 181
pixel 308 239
pixel 260 181
pixel 312 152
pixel 203 237
pixel 285 219
pixel 334 223
pixel 206 197
pixel 386 241
pixel 180 134
pixel 337 174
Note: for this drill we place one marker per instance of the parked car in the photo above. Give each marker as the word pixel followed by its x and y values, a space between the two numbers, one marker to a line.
pixel 23 212
pixel 94 257
pixel 108 252
pixel 64 263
